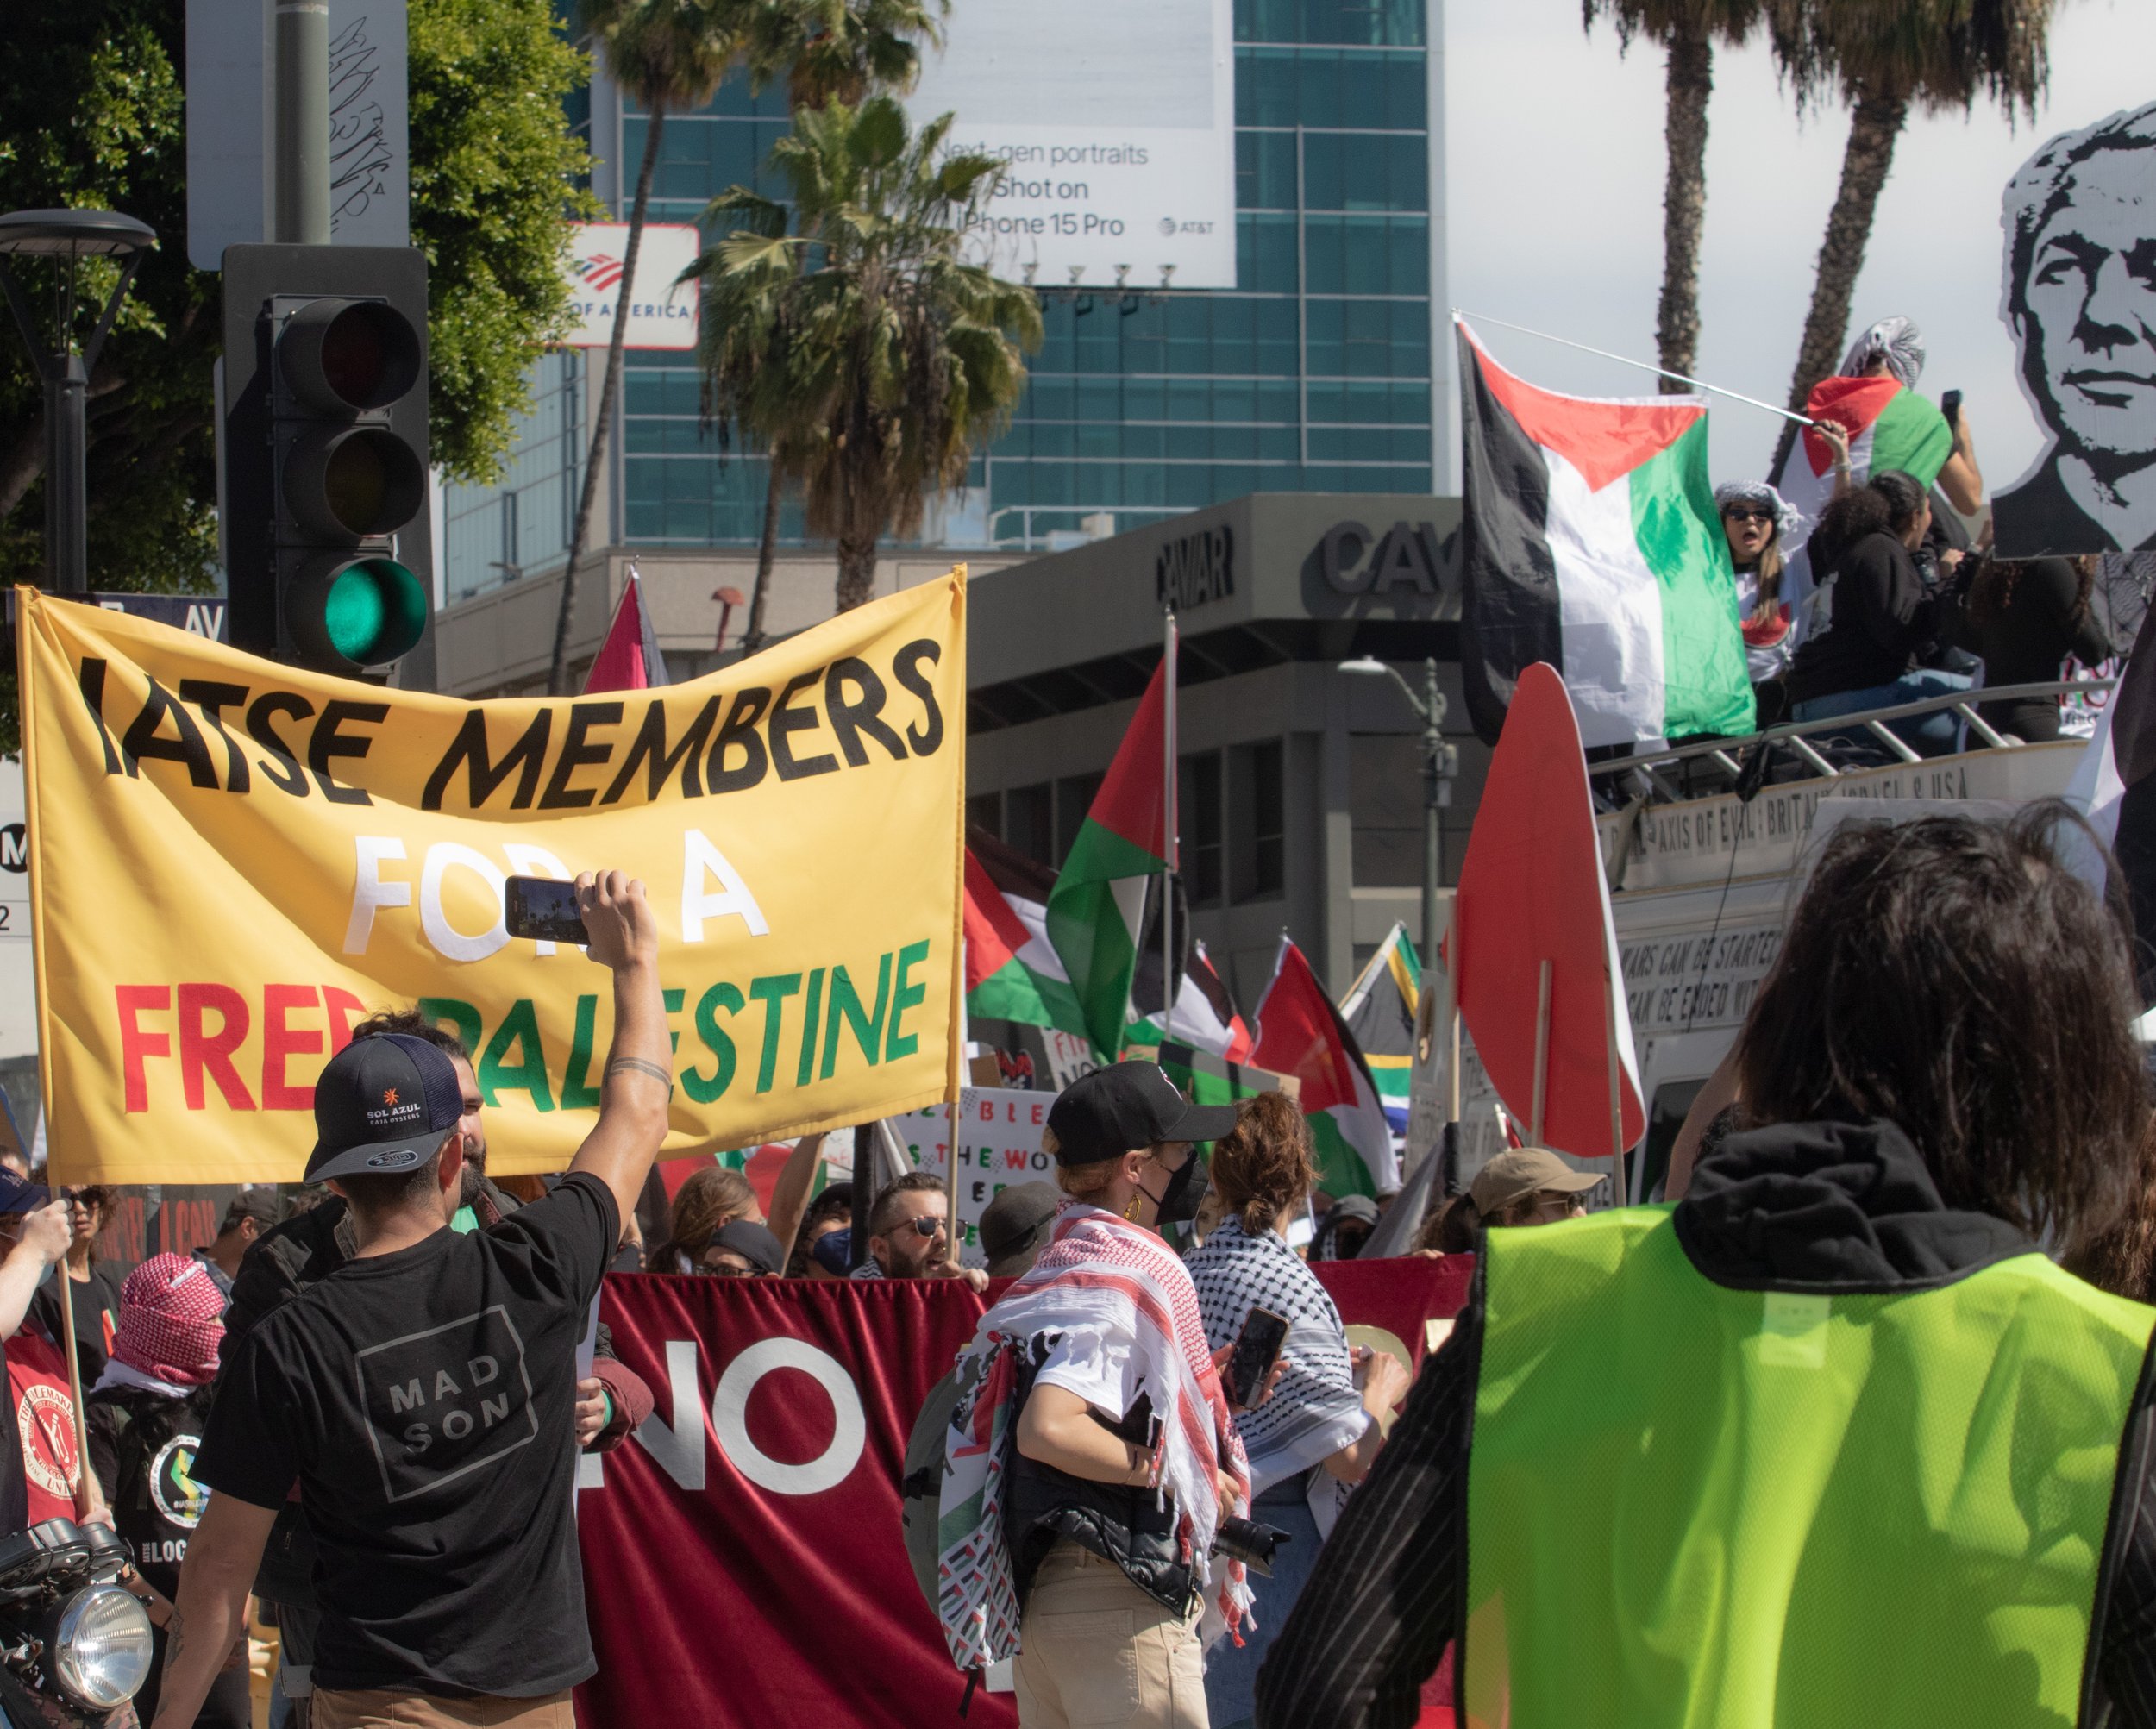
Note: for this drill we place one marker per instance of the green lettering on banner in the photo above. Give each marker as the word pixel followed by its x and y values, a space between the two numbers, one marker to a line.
pixel 704 1089
pixel 772 992
pixel 463 1018
pixel 898 1044
pixel 577 1092
pixel 674 1000
pixel 846 1010
pixel 804 1071
pixel 519 1029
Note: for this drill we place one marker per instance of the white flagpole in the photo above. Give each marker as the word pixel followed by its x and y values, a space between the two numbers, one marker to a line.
pixel 1626 360
pixel 1167 797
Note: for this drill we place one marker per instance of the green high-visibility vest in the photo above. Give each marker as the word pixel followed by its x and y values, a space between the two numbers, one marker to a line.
pixel 1692 1507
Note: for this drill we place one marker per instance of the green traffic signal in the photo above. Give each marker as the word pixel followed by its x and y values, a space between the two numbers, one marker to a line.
pixel 360 614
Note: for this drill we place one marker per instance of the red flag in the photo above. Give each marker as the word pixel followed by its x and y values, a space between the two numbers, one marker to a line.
pixel 1533 890
pixel 629 659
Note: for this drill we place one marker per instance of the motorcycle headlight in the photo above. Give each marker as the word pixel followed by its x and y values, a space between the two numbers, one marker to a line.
pixel 101 1647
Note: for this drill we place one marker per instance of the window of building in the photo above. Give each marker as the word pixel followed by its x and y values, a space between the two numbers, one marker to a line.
pixel 1074 798
pixel 985 810
pixel 1201 825
pixel 1028 822
pixel 1257 824
pixel 1385 808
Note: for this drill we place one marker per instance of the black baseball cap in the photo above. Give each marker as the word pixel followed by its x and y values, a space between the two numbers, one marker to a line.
pixel 1124 1109
pixel 1012 1225
pixel 382 1106
pixel 20 1194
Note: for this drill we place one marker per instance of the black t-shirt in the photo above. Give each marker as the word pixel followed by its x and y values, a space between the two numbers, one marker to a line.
pixel 143 1446
pixel 97 1314
pixel 424 1401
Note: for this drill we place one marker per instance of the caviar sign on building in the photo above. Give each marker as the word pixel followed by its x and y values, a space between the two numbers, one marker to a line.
pixel 231 861
pixel 1116 118
pixel 662 310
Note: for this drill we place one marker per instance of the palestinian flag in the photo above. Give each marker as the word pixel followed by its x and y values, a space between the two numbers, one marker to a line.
pixel 1590 541
pixel 1098 906
pixel 629 659
pixel 1890 426
pixel 1012 973
pixel 1300 1033
pixel 1380 1012
pixel 1205 1015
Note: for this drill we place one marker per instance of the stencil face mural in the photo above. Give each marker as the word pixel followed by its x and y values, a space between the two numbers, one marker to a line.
pixel 2080 301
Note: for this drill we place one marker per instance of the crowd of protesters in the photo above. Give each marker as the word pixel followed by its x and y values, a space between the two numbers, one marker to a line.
pixel 1885 598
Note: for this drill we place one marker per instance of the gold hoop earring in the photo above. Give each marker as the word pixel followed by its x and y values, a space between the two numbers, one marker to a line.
pixel 1130 1212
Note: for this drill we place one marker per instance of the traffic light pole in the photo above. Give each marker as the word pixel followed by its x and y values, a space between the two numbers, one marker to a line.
pixel 300 202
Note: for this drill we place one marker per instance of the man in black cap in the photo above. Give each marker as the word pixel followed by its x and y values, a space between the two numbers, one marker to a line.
pixel 421 1394
pixel 253 1212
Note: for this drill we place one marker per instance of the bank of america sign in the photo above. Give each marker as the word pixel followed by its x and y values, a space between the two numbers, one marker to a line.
pixel 661 310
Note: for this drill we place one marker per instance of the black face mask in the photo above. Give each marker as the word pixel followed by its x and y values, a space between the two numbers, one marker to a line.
pixel 1175 1204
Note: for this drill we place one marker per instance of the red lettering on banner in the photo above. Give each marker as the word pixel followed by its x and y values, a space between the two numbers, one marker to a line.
pixel 344 1009
pixel 203 1053
pixel 136 1041
pixel 1014 1158
pixel 280 1040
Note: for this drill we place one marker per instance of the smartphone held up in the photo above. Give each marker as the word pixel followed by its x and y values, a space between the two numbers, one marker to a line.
pixel 543 908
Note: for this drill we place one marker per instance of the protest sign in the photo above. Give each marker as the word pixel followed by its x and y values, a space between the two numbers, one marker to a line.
pixel 232 860
pixel 999 1145
pixel 759 1505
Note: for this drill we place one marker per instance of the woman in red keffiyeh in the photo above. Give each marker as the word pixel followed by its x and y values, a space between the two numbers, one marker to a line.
pixel 1092 1452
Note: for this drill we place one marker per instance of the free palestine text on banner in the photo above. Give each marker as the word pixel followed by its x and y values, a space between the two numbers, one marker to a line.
pixel 232 860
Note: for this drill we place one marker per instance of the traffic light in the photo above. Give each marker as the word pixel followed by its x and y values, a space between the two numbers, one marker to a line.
pixel 324 491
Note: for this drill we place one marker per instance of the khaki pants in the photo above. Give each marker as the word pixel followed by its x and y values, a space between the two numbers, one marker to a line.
pixel 379 1709
pixel 1095 1650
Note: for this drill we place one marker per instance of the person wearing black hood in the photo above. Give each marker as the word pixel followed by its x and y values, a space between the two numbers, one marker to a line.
pixel 1835 1433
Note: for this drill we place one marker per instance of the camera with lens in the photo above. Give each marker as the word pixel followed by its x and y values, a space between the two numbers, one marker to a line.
pixel 1251 1543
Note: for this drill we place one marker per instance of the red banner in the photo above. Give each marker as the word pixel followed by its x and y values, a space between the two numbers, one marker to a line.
pixel 744 1562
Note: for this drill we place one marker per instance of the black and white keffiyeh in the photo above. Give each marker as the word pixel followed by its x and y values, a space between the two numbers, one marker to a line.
pixel 1316 1410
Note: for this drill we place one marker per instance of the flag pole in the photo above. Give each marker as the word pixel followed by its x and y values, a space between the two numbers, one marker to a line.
pixel 1542 1057
pixel 1613 1006
pixel 1626 360
pixel 1168 801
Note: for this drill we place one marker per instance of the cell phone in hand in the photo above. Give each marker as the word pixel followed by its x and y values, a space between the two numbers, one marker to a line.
pixel 1256 1350
pixel 544 907
pixel 1949 405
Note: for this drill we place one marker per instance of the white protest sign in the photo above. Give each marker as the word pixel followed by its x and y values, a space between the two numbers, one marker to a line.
pixel 999 1145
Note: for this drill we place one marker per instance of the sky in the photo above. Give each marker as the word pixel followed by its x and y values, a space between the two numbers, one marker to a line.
pixel 1555 167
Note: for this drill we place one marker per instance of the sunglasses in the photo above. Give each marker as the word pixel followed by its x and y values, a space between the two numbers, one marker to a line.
pixel 1745 513
pixel 924 1227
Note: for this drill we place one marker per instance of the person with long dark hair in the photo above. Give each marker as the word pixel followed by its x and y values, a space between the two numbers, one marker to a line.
pixel 1835 1433
pixel 2025 617
pixel 1880 620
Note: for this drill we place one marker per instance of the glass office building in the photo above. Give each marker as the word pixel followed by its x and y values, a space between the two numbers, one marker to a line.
pixel 1321 370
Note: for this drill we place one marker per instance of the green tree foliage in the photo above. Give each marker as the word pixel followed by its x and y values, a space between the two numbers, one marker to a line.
pixel 92 114
pixel 864 351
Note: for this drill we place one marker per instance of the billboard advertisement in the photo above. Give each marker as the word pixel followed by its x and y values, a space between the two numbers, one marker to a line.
pixel 1116 118
pixel 661 309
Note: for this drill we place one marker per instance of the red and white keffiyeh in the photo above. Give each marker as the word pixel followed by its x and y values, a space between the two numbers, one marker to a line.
pixel 171 1317
pixel 1104 1276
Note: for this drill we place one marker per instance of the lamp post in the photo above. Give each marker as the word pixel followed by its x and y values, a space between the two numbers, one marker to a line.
pixel 1440 762
pixel 68 237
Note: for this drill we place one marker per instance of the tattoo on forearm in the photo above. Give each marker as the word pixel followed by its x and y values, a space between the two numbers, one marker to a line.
pixel 175 1641
pixel 638 1065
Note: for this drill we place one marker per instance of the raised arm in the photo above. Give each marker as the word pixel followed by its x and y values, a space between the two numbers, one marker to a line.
pixel 639 1075
pixel 789 1195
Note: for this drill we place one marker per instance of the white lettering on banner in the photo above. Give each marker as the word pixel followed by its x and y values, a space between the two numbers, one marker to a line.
pixel 730 1410
pixel 676 1443
pixel 699 858
pixel 449 942
pixel 369 891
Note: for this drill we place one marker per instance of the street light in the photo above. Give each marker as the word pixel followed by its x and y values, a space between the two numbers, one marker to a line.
pixel 68 237
pixel 1440 762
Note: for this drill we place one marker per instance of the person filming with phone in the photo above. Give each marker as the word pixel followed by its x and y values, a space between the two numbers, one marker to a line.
pixel 1319 1432
pixel 421 1394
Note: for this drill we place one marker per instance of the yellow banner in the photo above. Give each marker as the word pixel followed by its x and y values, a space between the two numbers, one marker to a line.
pixel 232 860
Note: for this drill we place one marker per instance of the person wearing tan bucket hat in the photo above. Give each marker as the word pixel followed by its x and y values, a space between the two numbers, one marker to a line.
pixel 1526 1186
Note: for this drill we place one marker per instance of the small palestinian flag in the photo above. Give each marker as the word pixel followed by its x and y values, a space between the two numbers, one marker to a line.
pixel 1012 973
pixel 1205 1015
pixel 1300 1033
pixel 1380 1012
pixel 1890 426
pixel 1591 540
pixel 1098 907
pixel 629 659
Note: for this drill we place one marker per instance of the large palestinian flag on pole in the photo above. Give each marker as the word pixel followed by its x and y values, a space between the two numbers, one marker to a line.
pixel 1012 972
pixel 1098 906
pixel 1380 1012
pixel 1300 1033
pixel 1591 541
pixel 1890 426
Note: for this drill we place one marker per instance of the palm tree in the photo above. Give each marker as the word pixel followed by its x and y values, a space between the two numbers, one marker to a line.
pixel 1687 29
pixel 864 350
pixel 1884 57
pixel 830 51
pixel 669 54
